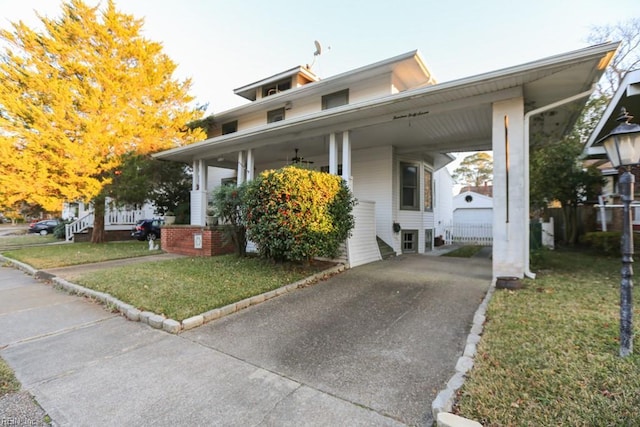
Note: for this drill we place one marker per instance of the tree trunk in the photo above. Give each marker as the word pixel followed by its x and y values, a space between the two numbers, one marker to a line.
pixel 98 235
pixel 570 219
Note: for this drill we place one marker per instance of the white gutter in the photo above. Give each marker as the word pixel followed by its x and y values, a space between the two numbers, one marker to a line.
pixel 527 118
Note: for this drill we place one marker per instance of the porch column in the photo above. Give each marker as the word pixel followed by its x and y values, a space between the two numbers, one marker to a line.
pixel 250 165
pixel 346 158
pixel 509 224
pixel 202 175
pixel 241 168
pixel 194 178
pixel 199 193
pixel 333 154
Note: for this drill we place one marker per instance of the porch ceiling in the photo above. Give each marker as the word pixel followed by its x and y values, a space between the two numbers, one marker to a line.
pixel 442 118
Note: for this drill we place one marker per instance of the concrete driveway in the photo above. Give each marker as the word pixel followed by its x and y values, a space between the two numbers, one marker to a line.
pixel 385 336
pixel 371 346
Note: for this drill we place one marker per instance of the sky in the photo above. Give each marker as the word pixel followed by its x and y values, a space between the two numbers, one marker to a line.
pixel 225 44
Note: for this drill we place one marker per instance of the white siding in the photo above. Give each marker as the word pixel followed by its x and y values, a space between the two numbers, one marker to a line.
pixel 472 208
pixel 418 220
pixel 443 197
pixel 473 216
pixel 371 88
pixel 362 247
pixel 216 175
pixel 372 181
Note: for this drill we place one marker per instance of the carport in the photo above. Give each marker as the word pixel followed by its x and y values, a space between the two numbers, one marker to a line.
pixel 497 111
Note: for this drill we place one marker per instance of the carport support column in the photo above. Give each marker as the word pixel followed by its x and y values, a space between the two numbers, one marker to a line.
pixel 509 225
pixel 346 158
pixel 198 196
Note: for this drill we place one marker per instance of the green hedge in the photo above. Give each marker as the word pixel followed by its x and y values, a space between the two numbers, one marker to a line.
pixel 607 242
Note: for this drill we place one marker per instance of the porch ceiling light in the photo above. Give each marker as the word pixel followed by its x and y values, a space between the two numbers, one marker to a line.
pixel 622 144
pixel 623 148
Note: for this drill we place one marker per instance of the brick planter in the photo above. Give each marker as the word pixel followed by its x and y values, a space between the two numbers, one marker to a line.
pixel 184 239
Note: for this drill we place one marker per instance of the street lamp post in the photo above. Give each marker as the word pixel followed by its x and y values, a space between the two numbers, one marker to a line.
pixel 622 145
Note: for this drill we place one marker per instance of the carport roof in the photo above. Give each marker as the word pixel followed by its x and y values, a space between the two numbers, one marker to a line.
pixel 445 117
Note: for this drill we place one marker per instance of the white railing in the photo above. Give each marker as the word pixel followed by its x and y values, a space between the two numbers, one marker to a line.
pixel 466 233
pixel 80 224
pixel 123 216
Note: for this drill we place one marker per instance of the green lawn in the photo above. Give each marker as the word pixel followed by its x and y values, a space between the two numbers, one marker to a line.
pixel 62 255
pixel 464 252
pixel 549 352
pixel 25 239
pixel 8 382
pixel 184 287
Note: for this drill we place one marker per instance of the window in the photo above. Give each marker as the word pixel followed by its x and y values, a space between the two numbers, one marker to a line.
pixel 409 186
pixel 229 181
pixel 428 190
pixel 275 115
pixel 230 127
pixel 335 99
pixel 409 241
pixel 276 87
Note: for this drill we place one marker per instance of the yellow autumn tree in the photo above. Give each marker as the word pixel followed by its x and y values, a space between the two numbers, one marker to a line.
pixel 75 97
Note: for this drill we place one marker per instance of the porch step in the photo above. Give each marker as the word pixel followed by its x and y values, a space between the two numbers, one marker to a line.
pixel 385 250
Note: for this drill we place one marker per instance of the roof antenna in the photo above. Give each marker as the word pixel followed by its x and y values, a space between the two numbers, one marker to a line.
pixel 317 53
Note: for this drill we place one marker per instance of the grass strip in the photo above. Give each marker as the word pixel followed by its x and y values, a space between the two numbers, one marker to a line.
pixel 184 287
pixel 464 251
pixel 8 381
pixel 549 352
pixel 26 239
pixel 63 255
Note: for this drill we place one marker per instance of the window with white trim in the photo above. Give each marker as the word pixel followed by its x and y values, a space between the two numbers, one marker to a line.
pixel 409 194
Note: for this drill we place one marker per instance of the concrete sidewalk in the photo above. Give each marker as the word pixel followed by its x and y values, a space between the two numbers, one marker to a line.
pixel 370 346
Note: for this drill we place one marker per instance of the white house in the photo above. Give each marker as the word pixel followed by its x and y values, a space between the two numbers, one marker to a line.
pixel 387 127
pixel 470 207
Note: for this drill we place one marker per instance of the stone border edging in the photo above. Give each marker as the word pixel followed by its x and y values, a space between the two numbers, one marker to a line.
pixel 160 322
pixel 443 403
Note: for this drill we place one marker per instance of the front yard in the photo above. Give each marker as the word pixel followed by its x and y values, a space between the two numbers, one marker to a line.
pixel 178 288
pixel 549 353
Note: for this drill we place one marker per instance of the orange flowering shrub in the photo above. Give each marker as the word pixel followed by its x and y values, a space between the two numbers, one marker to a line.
pixel 295 214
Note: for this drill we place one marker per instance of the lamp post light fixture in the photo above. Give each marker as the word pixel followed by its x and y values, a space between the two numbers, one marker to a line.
pixel 622 145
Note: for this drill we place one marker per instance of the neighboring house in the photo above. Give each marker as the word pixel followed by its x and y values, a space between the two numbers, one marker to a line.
pixel 472 219
pixel 470 207
pixel 628 96
pixel 115 218
pixel 386 128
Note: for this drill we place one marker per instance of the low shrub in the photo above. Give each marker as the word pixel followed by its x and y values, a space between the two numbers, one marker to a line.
pixel 296 214
pixel 607 242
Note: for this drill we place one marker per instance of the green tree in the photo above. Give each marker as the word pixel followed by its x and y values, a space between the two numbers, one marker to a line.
pixel 628 56
pixel 75 98
pixel 296 214
pixel 229 203
pixel 475 170
pixel 143 179
pixel 559 175
pixel 556 172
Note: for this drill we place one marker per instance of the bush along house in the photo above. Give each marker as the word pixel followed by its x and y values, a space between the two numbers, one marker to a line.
pixel 386 128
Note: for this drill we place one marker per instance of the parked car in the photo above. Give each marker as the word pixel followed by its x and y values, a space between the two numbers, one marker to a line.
pixel 44 227
pixel 147 229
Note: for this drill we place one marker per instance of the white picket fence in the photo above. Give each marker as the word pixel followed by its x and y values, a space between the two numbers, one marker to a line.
pixel 466 233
